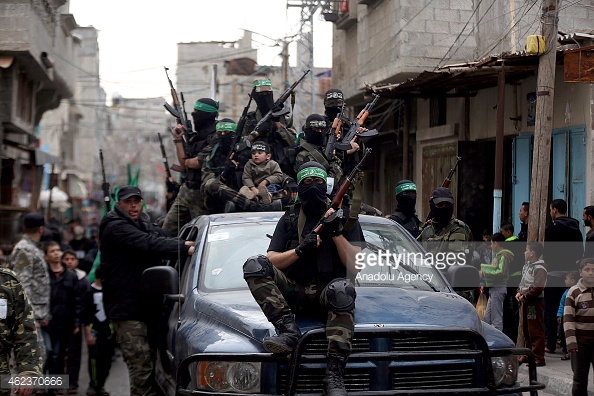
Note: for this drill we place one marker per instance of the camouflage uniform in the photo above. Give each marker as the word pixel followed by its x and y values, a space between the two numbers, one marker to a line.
pixel 303 299
pixel 131 336
pixel 451 237
pixel 215 191
pixel 18 331
pixel 27 261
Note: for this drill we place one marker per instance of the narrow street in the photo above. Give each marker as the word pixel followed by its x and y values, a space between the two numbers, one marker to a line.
pixel 117 382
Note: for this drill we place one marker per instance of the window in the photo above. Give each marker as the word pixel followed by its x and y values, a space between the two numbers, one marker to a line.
pixel 437 109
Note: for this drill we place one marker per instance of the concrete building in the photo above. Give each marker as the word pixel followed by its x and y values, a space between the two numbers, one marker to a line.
pixel 236 69
pixel 74 131
pixel 132 143
pixel 37 71
pixel 430 113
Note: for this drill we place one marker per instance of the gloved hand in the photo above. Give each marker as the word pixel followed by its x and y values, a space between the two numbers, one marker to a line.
pixel 291 187
pixel 332 226
pixel 229 169
pixel 310 242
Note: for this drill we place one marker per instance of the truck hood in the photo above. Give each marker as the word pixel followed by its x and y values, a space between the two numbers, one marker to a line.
pixel 374 305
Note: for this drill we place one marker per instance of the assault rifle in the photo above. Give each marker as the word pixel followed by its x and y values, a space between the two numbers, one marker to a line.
pixel 240 125
pixel 164 155
pixel 105 184
pixel 334 133
pixel 344 187
pixel 345 141
pixel 448 179
pixel 278 104
pixel 179 113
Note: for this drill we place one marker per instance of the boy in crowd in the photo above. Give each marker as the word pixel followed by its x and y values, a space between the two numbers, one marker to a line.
pixel 578 326
pixel 69 258
pixel 571 279
pixel 530 295
pixel 100 339
pixel 495 276
pixel 259 172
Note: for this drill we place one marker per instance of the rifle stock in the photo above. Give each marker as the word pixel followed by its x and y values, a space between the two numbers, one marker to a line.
pixel 279 102
pixel 448 179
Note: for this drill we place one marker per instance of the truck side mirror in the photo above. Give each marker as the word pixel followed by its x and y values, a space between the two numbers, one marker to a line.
pixel 463 277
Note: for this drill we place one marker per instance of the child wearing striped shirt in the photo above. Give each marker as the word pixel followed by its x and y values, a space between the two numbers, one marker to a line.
pixel 578 323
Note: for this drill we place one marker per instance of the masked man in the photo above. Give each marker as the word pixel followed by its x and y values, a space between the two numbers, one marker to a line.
pixel 406 195
pixel 305 273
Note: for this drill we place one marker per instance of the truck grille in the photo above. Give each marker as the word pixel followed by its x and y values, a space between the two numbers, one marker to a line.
pixel 456 374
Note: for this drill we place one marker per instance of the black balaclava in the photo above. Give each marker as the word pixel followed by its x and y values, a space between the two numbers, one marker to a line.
pixel 441 216
pixel 333 99
pixel 264 101
pixel 314 137
pixel 204 121
pixel 406 203
pixel 312 196
pixel 226 140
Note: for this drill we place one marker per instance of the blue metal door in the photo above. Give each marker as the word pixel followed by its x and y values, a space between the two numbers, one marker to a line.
pixel 559 164
pixel 577 173
pixel 522 172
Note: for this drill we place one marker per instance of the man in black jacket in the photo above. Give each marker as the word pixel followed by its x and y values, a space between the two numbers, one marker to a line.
pixel 406 196
pixel 560 258
pixel 129 245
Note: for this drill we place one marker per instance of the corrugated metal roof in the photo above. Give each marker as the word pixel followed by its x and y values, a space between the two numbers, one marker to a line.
pixel 467 77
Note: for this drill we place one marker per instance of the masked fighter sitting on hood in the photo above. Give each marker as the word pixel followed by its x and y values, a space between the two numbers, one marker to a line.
pixel 305 273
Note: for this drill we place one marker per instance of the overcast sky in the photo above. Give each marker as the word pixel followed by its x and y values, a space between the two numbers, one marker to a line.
pixel 137 38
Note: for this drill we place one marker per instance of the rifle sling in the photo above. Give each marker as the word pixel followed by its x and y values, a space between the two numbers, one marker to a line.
pixel 315 153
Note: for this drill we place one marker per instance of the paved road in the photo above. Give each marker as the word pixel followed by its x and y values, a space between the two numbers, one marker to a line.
pixel 117 382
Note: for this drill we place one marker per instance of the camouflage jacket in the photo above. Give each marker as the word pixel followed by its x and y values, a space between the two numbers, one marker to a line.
pixel 17 328
pixel 453 237
pixel 27 261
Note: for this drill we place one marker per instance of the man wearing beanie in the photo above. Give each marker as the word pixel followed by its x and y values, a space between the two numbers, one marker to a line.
pixel 406 195
pixel 28 262
pixel 305 273
pixel 189 201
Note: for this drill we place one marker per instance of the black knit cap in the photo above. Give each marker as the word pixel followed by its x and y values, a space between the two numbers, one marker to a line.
pixel 333 98
pixel 33 220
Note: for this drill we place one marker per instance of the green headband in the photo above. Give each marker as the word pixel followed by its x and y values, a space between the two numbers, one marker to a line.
pixel 226 126
pixel 206 107
pixel 311 172
pixel 406 187
pixel 262 83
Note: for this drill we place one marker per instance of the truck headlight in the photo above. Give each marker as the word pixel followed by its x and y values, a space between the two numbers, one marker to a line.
pixel 243 377
pixel 505 370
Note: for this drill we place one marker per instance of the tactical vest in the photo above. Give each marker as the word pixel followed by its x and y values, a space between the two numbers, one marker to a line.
pixel 322 269
pixel 410 223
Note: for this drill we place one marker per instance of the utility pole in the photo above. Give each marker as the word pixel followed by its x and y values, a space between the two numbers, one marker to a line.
pixel 543 128
pixel 498 185
pixel 285 64
pixel 213 82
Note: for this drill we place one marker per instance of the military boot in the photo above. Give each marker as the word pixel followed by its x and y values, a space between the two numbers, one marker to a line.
pixel 334 381
pixel 287 337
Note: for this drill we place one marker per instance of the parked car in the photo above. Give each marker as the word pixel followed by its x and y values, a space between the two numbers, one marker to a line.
pixel 412 331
